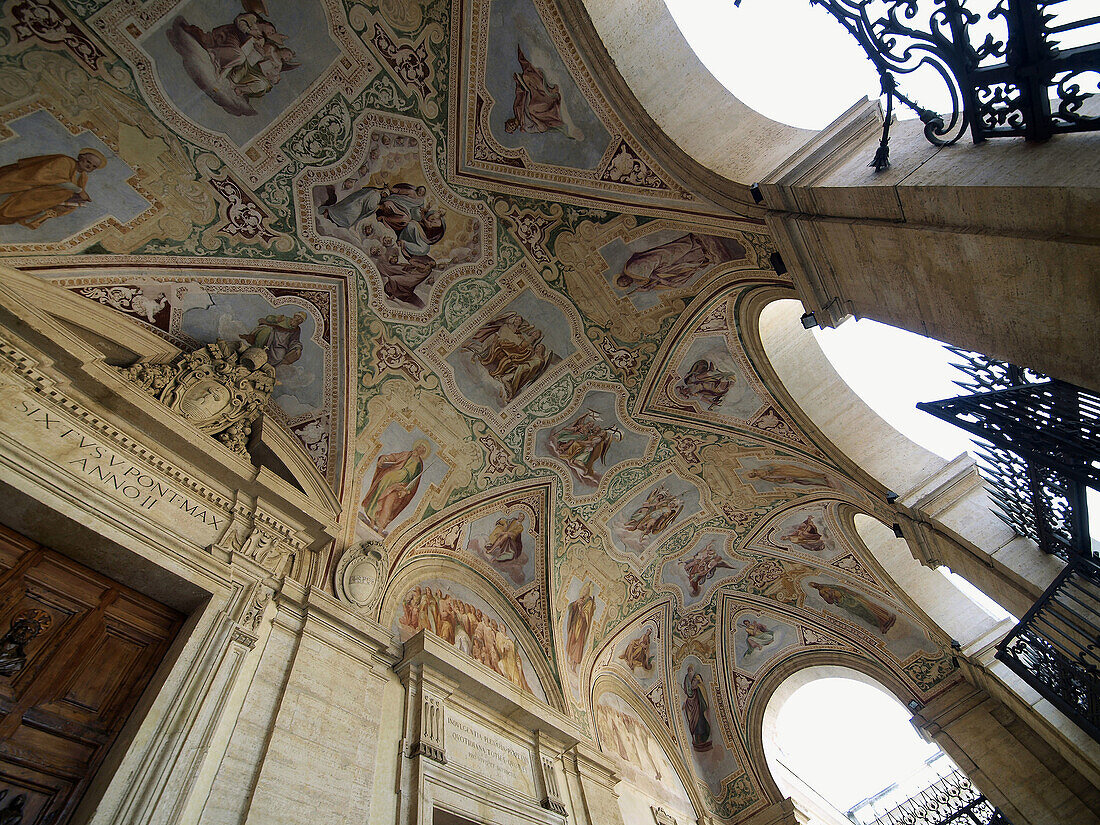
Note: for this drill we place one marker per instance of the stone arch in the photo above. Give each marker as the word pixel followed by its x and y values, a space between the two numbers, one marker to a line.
pixel 429 566
pixel 710 125
pixel 791 674
pixel 943 604
pixel 941 506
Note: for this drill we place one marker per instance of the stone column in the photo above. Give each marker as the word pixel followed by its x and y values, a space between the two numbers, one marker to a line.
pixel 783 812
pixel 317 763
pixel 1015 768
pixel 591 778
pixel 991 247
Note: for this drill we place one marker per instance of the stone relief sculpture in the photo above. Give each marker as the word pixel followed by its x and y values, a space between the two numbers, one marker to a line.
pixel 220 388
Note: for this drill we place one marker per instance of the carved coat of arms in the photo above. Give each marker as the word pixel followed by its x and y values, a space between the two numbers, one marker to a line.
pixel 220 388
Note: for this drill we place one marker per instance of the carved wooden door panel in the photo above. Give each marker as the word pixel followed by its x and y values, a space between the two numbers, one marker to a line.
pixel 76 651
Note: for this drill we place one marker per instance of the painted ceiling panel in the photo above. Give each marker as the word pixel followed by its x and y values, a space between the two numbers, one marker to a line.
pixel 509 340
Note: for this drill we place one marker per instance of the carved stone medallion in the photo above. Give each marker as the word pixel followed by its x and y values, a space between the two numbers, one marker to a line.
pixel 359 575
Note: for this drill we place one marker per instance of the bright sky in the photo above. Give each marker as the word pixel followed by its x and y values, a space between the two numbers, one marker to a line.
pixel 848 740
pixel 789 60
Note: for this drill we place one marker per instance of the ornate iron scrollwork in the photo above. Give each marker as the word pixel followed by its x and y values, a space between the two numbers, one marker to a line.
pixel 1056 646
pixel 1044 436
pixel 951 800
pixel 1016 81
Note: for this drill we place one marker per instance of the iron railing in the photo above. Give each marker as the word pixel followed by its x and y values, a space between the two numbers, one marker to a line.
pixel 952 800
pixel 1042 448
pixel 1012 68
pixel 1056 646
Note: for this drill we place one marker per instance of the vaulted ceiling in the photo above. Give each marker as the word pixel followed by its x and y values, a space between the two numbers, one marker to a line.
pixel 521 352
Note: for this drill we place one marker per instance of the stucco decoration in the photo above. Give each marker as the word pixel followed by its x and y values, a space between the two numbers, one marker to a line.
pixel 298 315
pixel 518 351
pixel 220 388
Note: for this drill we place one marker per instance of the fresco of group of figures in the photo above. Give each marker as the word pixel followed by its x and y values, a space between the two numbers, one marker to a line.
pixel 653 513
pixel 464 619
pixel 235 68
pixel 387 210
pixel 55 184
pixel 646 766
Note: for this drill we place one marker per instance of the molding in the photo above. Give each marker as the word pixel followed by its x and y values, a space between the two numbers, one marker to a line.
pixel 430 653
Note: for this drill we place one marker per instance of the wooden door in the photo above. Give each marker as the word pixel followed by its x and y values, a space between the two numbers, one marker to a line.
pixel 76 651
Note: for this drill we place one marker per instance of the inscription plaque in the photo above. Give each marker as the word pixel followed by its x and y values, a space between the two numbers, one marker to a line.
pixel 488 754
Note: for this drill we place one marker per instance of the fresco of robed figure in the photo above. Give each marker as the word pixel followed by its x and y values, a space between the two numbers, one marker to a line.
pixel 55 184
pixel 512 351
pixel 394 484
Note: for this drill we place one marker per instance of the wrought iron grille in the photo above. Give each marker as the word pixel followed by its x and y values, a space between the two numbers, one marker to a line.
pixel 952 800
pixel 1041 450
pixel 1011 67
pixel 1056 646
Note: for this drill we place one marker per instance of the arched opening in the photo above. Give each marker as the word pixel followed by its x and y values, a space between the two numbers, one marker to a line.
pixel 952 518
pixel 841 745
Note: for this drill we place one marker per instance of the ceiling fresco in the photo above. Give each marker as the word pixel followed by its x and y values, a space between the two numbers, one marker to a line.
pixel 520 353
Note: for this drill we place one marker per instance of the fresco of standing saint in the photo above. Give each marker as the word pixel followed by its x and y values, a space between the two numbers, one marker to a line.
pixel 395 482
pixel 511 350
pixel 696 707
pixel 578 624
pixel 35 189
pixel 583 443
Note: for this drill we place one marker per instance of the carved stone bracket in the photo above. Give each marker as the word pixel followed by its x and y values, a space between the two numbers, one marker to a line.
pixel 220 388
pixel 432 740
pixel 552 801
pixel 662 817
pixel 258 536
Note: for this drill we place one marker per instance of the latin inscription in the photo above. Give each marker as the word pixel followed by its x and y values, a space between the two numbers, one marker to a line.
pixel 488 754
pixel 102 467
